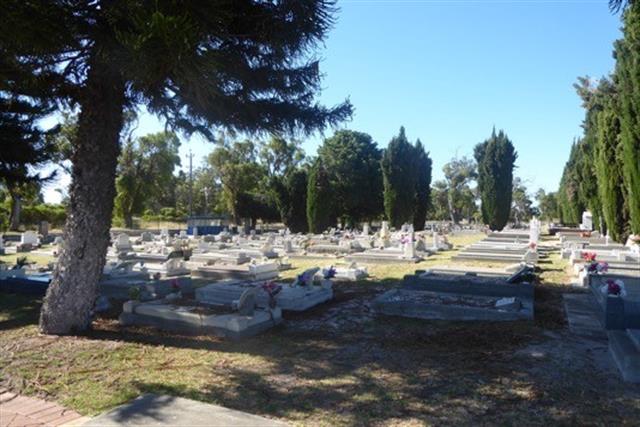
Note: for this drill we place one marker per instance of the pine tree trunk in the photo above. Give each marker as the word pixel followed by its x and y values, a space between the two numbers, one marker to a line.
pixel 16 209
pixel 74 288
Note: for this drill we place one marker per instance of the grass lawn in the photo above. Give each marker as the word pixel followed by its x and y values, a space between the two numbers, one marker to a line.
pixel 338 364
pixel 39 259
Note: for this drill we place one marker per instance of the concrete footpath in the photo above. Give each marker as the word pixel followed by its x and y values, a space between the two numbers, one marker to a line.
pixel 154 410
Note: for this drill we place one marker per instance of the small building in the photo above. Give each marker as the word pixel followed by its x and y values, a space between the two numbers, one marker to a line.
pixel 207 224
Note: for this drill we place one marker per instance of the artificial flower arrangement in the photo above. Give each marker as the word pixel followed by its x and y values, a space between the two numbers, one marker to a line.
pixel 592 266
pixel 329 273
pixel 406 239
pixel 272 289
pixel 305 279
pixel 614 288
pixel 533 246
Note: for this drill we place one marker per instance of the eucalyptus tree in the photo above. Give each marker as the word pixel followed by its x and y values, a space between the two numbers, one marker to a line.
pixel 243 65
pixel 145 169
pixel 459 173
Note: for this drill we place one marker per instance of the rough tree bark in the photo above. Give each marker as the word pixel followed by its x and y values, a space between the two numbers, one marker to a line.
pixel 73 290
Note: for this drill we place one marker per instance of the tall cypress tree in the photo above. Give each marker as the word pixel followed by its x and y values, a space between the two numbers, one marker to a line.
pixel 496 159
pixel 627 53
pixel 399 180
pixel 570 205
pixel 320 212
pixel 423 185
pixel 610 178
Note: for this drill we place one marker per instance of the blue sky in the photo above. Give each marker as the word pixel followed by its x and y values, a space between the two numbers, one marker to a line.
pixel 451 70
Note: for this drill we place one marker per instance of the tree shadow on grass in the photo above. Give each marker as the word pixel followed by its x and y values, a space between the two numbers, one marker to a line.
pixel 392 369
pixel 18 310
pixel 424 371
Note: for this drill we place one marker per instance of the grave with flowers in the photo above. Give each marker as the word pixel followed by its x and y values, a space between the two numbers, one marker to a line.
pixel 308 290
pixel 618 300
pixel 241 318
pixel 618 309
pixel 347 272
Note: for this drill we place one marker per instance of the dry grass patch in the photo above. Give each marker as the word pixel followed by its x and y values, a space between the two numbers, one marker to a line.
pixel 373 371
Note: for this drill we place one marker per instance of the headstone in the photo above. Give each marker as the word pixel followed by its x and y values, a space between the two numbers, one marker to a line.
pixel 146 236
pixel 530 256
pixel 288 247
pixel 122 243
pixel 43 228
pixel 266 249
pixel 587 221
pixel 195 231
pixel 384 231
pixel 183 234
pixel 534 230
pixel 365 229
pixel 29 238
pixel 1 245
pixel 247 302
pixel 436 241
pixel 409 248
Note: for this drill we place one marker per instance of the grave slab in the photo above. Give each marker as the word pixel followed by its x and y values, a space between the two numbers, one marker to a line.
pixel 454 297
pixel 291 298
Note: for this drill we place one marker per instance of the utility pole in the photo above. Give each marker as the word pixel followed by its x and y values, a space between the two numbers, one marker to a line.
pixel 190 183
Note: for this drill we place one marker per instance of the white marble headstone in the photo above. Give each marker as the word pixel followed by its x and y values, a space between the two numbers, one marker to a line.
pixel 587 221
pixel 29 238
